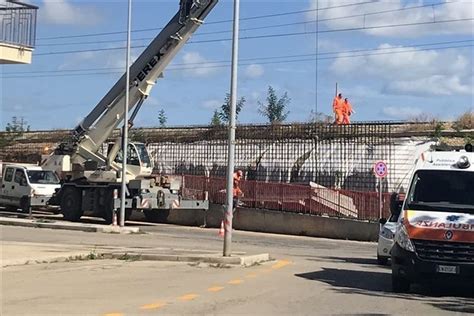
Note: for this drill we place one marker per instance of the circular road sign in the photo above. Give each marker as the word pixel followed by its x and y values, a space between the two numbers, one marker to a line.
pixel 380 169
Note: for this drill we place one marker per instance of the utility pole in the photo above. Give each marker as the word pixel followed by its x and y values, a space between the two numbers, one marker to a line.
pixel 316 59
pixel 231 150
pixel 125 119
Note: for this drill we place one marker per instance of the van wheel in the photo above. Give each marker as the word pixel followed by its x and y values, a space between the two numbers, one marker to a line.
pixel 399 284
pixel 382 260
pixel 71 204
pixel 10 208
pixel 25 204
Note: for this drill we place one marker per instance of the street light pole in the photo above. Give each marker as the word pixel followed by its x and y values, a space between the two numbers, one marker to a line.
pixel 125 119
pixel 231 149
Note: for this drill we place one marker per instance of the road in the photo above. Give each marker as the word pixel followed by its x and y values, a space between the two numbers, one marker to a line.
pixel 309 276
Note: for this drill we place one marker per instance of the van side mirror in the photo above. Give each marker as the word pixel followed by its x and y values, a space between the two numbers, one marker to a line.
pixel 23 182
pixel 382 221
pixel 396 202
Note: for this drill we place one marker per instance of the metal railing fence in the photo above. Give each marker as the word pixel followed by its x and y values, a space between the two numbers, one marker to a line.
pixel 18 23
pixel 296 198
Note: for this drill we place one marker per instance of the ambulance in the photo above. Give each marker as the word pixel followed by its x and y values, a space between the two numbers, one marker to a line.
pixel 434 238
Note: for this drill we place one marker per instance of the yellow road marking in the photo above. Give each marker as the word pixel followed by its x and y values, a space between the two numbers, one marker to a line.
pixel 236 281
pixel 156 305
pixel 251 275
pixel 215 289
pixel 113 314
pixel 188 297
pixel 280 264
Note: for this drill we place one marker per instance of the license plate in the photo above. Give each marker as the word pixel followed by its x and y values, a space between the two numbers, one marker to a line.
pixel 447 269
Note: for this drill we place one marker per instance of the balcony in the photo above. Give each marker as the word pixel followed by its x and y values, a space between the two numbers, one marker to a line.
pixel 17 32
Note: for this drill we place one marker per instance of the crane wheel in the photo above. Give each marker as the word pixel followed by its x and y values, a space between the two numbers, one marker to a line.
pixel 156 216
pixel 71 204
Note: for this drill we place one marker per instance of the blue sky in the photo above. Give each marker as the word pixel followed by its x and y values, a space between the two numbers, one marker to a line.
pixel 433 75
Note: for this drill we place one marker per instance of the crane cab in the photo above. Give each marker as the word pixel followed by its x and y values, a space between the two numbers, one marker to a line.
pixel 138 160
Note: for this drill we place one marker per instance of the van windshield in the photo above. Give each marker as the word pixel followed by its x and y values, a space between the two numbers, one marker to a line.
pixel 42 177
pixel 440 190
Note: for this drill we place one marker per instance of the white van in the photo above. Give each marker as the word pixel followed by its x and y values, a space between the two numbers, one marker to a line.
pixel 23 186
pixel 434 238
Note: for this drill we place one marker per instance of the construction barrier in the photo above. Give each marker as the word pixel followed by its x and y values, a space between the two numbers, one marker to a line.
pixel 305 199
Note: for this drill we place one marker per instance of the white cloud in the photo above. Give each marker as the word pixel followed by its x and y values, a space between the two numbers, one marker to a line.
pixel 211 104
pixel 434 85
pixel 449 11
pixel 63 12
pixel 102 59
pixel 396 112
pixel 416 72
pixel 198 65
pixel 254 71
pixel 117 58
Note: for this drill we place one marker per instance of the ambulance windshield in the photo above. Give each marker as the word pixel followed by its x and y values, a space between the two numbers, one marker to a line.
pixel 440 190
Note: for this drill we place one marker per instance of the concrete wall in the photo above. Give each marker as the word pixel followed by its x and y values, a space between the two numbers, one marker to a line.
pixel 259 220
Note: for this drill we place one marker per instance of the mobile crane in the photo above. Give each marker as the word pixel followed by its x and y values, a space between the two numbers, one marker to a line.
pixel 90 179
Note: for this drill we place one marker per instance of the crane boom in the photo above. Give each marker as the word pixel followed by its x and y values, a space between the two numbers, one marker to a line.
pixel 88 137
pixel 91 181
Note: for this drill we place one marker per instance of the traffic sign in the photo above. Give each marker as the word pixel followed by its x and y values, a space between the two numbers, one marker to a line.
pixel 380 169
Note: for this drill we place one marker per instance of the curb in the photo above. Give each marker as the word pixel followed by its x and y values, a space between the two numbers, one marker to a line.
pixel 240 261
pixel 237 260
pixel 69 226
pixel 65 258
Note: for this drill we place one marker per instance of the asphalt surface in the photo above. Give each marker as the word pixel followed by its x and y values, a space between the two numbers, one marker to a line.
pixel 309 276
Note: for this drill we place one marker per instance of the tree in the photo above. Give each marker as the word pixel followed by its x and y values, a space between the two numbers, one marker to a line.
pixel 275 108
pixel 319 117
pixel 17 125
pixel 224 114
pixel 162 119
pixel 14 129
pixel 216 120
pixel 465 121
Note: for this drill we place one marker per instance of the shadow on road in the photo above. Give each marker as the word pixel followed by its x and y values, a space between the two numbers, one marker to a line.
pixel 449 297
pixel 362 261
pixel 359 280
pixel 135 220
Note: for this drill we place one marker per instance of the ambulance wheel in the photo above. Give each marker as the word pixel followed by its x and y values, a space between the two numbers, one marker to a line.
pixel 400 284
pixel 71 204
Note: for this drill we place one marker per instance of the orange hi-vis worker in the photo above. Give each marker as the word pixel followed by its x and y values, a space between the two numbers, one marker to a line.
pixel 338 107
pixel 237 192
pixel 346 112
